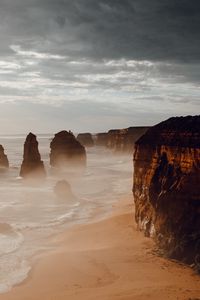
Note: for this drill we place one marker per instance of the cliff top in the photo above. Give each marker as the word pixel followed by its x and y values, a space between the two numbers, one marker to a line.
pixel 176 131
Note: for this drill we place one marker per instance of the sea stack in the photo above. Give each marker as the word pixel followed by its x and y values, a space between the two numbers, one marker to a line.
pixel 32 165
pixel 3 159
pixel 166 186
pixel 85 139
pixel 66 151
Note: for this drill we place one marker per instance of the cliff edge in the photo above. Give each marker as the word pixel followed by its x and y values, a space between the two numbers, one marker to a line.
pixel 166 186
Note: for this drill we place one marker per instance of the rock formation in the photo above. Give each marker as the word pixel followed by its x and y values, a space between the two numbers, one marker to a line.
pixel 120 140
pixel 123 140
pixel 85 139
pixel 167 186
pixel 101 139
pixel 3 158
pixel 32 165
pixel 63 190
pixel 66 151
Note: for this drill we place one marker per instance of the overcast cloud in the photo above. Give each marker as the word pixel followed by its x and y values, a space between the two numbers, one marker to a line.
pixel 91 65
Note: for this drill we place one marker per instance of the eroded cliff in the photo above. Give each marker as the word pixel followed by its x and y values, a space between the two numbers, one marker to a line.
pixel 85 139
pixel 122 140
pixel 166 186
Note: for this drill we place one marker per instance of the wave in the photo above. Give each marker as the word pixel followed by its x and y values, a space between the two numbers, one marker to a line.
pixel 10 239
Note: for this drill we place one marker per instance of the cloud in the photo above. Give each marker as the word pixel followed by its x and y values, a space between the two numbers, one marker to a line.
pixel 138 56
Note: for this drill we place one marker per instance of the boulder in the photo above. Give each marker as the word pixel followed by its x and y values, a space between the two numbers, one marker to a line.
pixel 32 165
pixel 63 190
pixel 66 151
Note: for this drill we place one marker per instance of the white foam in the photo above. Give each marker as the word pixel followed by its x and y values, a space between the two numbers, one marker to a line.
pixel 12 273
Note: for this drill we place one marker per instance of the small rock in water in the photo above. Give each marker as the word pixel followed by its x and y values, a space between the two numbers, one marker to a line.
pixel 63 190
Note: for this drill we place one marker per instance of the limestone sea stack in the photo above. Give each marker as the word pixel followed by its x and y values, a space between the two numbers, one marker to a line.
pixel 66 151
pixel 85 139
pixel 32 165
pixel 166 186
pixel 3 158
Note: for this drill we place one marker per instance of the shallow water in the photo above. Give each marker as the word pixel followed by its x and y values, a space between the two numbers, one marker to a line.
pixel 29 214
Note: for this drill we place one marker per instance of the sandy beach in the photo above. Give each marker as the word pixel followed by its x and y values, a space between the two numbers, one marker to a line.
pixel 107 260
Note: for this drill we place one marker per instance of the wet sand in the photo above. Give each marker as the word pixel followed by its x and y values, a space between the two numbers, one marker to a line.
pixel 106 260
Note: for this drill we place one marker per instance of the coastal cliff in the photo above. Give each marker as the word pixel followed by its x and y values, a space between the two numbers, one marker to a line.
pixel 85 139
pixel 32 165
pixel 123 140
pixel 120 140
pixel 166 186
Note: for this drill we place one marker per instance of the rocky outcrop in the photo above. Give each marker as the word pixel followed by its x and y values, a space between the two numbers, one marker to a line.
pixel 66 151
pixel 122 140
pixel 85 139
pixel 32 165
pixel 63 190
pixel 3 159
pixel 167 186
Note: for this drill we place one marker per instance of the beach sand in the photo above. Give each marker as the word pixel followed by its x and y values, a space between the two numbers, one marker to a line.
pixel 106 260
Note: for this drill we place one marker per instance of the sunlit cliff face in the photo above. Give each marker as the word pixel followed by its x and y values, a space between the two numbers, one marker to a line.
pixel 97 64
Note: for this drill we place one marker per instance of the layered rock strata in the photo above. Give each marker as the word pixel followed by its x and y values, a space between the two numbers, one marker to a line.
pixel 4 163
pixel 123 140
pixel 101 139
pixel 85 139
pixel 120 140
pixel 166 186
pixel 66 151
pixel 32 165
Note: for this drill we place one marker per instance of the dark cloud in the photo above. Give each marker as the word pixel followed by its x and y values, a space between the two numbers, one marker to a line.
pixel 134 29
pixel 70 58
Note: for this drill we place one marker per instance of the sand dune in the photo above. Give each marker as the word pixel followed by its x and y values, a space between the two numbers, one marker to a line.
pixel 106 260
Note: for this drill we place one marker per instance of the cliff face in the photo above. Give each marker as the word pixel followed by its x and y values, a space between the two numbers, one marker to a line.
pixel 123 139
pixel 32 165
pixel 120 140
pixel 167 186
pixel 66 150
pixel 85 139
pixel 101 139
pixel 3 158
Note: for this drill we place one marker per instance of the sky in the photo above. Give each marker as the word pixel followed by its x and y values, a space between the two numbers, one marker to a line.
pixel 93 65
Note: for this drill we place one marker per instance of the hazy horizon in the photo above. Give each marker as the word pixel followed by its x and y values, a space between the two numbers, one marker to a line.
pixel 89 65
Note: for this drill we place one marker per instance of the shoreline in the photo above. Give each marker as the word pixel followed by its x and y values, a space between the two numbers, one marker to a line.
pixel 107 258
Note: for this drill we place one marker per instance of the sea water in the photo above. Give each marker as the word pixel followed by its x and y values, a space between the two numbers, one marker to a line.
pixel 30 214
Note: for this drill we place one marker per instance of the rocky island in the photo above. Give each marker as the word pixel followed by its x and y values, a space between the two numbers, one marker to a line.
pixel 166 186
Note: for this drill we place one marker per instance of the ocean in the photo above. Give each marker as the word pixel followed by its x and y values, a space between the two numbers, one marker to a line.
pixel 29 215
